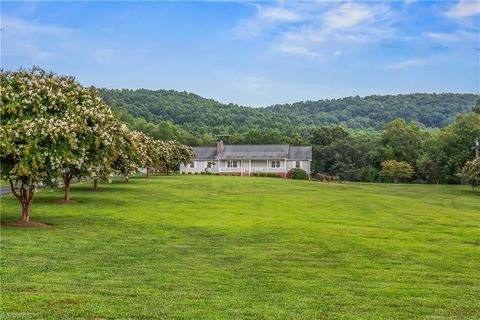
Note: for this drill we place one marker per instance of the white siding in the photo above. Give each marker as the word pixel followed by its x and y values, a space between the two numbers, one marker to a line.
pixel 304 165
pixel 199 166
pixel 244 166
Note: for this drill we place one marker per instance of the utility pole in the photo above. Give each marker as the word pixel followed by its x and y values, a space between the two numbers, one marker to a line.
pixel 477 148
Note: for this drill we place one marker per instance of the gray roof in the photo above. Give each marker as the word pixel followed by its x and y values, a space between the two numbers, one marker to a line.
pixel 300 153
pixel 255 151
pixel 205 153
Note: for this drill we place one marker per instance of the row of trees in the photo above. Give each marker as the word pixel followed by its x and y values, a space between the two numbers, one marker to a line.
pixel 53 130
pixel 435 155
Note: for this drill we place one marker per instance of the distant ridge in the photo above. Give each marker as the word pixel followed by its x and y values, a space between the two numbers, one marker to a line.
pixel 199 115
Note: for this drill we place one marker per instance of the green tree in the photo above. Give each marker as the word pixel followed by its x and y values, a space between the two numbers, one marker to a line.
pixel 402 141
pixel 476 107
pixel 396 170
pixel 451 147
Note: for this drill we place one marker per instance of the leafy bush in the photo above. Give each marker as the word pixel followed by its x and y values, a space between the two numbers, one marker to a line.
pixel 297 173
pixel 396 170
pixel 471 173
pixel 189 173
pixel 326 178
pixel 203 172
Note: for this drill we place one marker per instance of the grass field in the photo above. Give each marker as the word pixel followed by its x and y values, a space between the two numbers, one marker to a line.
pixel 209 247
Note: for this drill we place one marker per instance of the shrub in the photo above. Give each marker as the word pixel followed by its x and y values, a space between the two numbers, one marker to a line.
pixel 196 172
pixel 203 172
pixel 189 173
pixel 326 178
pixel 208 173
pixel 297 173
pixel 471 173
pixel 396 170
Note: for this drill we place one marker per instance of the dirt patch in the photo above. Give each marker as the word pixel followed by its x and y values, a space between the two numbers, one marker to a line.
pixel 26 224
pixel 66 202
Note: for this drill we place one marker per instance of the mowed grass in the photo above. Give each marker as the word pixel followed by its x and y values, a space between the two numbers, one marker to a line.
pixel 209 247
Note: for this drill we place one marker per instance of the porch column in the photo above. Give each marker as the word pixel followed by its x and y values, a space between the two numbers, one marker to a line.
pixel 218 166
pixel 250 168
pixel 267 166
pixel 285 168
pixel 241 168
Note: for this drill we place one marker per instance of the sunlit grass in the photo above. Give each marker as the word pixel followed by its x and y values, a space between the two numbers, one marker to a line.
pixel 214 247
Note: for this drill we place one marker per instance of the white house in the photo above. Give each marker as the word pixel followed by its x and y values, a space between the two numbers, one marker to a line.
pixel 245 160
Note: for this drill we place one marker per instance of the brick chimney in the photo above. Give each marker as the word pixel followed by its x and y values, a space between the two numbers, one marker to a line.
pixel 219 146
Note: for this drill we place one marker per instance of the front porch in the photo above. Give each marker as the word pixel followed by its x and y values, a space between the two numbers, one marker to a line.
pixel 249 167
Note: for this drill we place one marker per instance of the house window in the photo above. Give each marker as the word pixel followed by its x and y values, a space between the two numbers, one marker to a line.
pixel 297 164
pixel 232 164
pixel 210 164
pixel 275 164
pixel 192 165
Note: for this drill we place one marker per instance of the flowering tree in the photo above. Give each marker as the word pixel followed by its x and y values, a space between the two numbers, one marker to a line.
pixel 51 127
pixel 116 135
pixel 471 173
pixel 180 153
pixel 130 152
pixel 88 147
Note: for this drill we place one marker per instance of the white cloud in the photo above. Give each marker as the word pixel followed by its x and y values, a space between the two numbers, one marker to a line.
pixel 349 15
pixel 266 18
pixel 318 29
pixel 297 50
pixel 23 38
pixel 25 27
pixel 326 34
pixel 277 14
pixel 452 36
pixel 407 63
pixel 463 9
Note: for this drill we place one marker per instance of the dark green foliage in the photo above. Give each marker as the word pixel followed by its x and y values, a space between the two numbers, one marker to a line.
pixel 476 107
pixel 343 152
pixel 451 147
pixel 337 129
pixel 297 173
pixel 199 115
pixel 402 141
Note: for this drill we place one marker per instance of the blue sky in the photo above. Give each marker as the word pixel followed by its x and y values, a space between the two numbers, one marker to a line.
pixel 251 53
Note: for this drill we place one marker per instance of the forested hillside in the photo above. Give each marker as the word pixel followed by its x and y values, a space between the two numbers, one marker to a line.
pixel 199 115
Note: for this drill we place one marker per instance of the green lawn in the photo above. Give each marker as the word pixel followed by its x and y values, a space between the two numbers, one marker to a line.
pixel 210 247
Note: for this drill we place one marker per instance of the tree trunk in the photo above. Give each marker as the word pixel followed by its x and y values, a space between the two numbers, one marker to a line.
pixel 95 184
pixel 25 212
pixel 25 196
pixel 126 179
pixel 67 179
pixel 148 172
